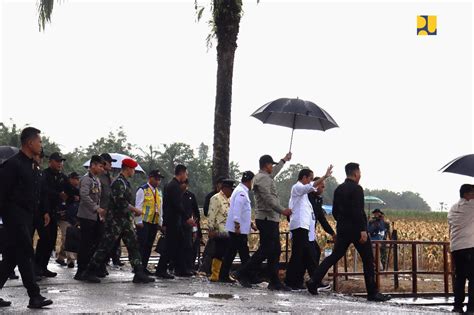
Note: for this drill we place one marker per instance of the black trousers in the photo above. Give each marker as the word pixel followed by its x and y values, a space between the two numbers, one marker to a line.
pixel 188 247
pixel 315 256
pixel 196 250
pixel 46 242
pixel 146 237
pixel 173 251
pixel 18 250
pixel 300 257
pixel 237 243
pixel 340 247
pixel 463 270
pixel 207 256
pixel 269 249
pixel 90 237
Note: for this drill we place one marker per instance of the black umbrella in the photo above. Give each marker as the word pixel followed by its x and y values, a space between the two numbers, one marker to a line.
pixel 7 152
pixel 463 165
pixel 295 114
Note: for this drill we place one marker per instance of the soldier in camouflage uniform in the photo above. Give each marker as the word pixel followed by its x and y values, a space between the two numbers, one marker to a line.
pixel 119 221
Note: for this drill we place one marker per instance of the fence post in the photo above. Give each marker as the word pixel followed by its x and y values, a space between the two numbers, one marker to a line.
pixel 345 266
pixel 395 259
pixel 446 269
pixel 377 265
pixel 414 268
pixel 286 251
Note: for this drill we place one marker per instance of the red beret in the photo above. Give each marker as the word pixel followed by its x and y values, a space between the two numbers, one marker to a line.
pixel 129 163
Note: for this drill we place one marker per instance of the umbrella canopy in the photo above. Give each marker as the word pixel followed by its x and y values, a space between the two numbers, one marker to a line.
pixel 463 165
pixel 373 200
pixel 7 152
pixel 295 114
pixel 117 164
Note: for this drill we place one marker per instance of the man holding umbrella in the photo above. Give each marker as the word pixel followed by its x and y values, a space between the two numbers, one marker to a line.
pixel 267 217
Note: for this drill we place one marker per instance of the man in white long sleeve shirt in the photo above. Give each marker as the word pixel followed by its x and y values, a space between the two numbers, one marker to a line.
pixel 238 225
pixel 301 221
pixel 461 227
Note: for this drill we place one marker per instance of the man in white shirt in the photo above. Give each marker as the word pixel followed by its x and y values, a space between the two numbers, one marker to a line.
pixel 301 221
pixel 238 225
pixel 461 227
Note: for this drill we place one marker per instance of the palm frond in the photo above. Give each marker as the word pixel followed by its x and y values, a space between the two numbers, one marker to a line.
pixel 45 9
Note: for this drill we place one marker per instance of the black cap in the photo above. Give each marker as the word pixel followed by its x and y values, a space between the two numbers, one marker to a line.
pixel 74 175
pixel 155 174
pixel 106 157
pixel 56 156
pixel 228 183
pixel 247 175
pixel 377 211
pixel 97 159
pixel 266 159
pixel 220 180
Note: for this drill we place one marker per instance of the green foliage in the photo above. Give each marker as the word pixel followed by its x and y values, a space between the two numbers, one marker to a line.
pixel 45 8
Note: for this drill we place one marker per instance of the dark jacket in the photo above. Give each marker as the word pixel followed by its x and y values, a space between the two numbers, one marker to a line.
pixel 20 190
pixel 317 203
pixel 348 209
pixel 191 208
pixel 173 210
pixel 106 190
pixel 207 200
pixel 55 184
pixel 71 204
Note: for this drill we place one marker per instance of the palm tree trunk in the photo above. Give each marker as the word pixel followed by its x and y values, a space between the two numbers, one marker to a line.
pixel 227 14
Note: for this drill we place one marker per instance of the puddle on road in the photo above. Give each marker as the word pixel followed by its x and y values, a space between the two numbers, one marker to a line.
pixel 428 301
pixel 57 291
pixel 220 296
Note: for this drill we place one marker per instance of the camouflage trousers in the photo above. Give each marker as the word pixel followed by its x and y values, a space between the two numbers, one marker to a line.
pixel 114 228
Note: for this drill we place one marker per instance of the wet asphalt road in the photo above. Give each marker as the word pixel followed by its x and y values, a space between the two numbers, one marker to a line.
pixel 118 294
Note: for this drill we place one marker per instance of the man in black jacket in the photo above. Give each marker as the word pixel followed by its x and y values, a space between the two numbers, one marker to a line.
pixel 55 184
pixel 348 210
pixel 173 212
pixel 20 194
pixel 191 209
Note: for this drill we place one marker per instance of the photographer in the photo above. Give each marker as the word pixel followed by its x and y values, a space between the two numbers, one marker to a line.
pixel 378 230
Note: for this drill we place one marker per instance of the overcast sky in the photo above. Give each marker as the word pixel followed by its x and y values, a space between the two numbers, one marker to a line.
pixel 403 102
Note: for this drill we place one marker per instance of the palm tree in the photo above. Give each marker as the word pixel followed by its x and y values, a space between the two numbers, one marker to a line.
pixel 45 8
pixel 225 22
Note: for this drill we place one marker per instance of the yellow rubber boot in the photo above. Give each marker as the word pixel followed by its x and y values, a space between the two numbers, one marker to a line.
pixel 215 268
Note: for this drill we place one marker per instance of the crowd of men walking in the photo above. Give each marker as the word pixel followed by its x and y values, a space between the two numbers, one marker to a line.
pixel 108 210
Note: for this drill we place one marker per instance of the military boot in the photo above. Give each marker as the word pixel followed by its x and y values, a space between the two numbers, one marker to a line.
pixel 141 276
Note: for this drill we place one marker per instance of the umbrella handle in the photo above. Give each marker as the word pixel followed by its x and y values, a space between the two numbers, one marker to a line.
pixel 291 141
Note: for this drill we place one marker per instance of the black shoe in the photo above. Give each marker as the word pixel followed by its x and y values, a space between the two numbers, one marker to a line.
pixel 4 303
pixel 89 276
pixel 148 272
pixel 38 278
pixel 60 262
pixel 49 274
pixel 39 302
pixel 278 286
pixel 227 280
pixel 78 276
pixel 312 287
pixel 164 275
pixel 458 309
pixel 13 276
pixel 70 265
pixel 244 281
pixel 118 263
pixel 324 286
pixel 141 276
pixel 379 297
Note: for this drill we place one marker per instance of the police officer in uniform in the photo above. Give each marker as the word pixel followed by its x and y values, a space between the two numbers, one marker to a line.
pixel 238 224
pixel 19 200
pixel 218 210
pixel 119 221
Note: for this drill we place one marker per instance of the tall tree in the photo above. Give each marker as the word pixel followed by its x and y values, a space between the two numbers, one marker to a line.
pixel 225 22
